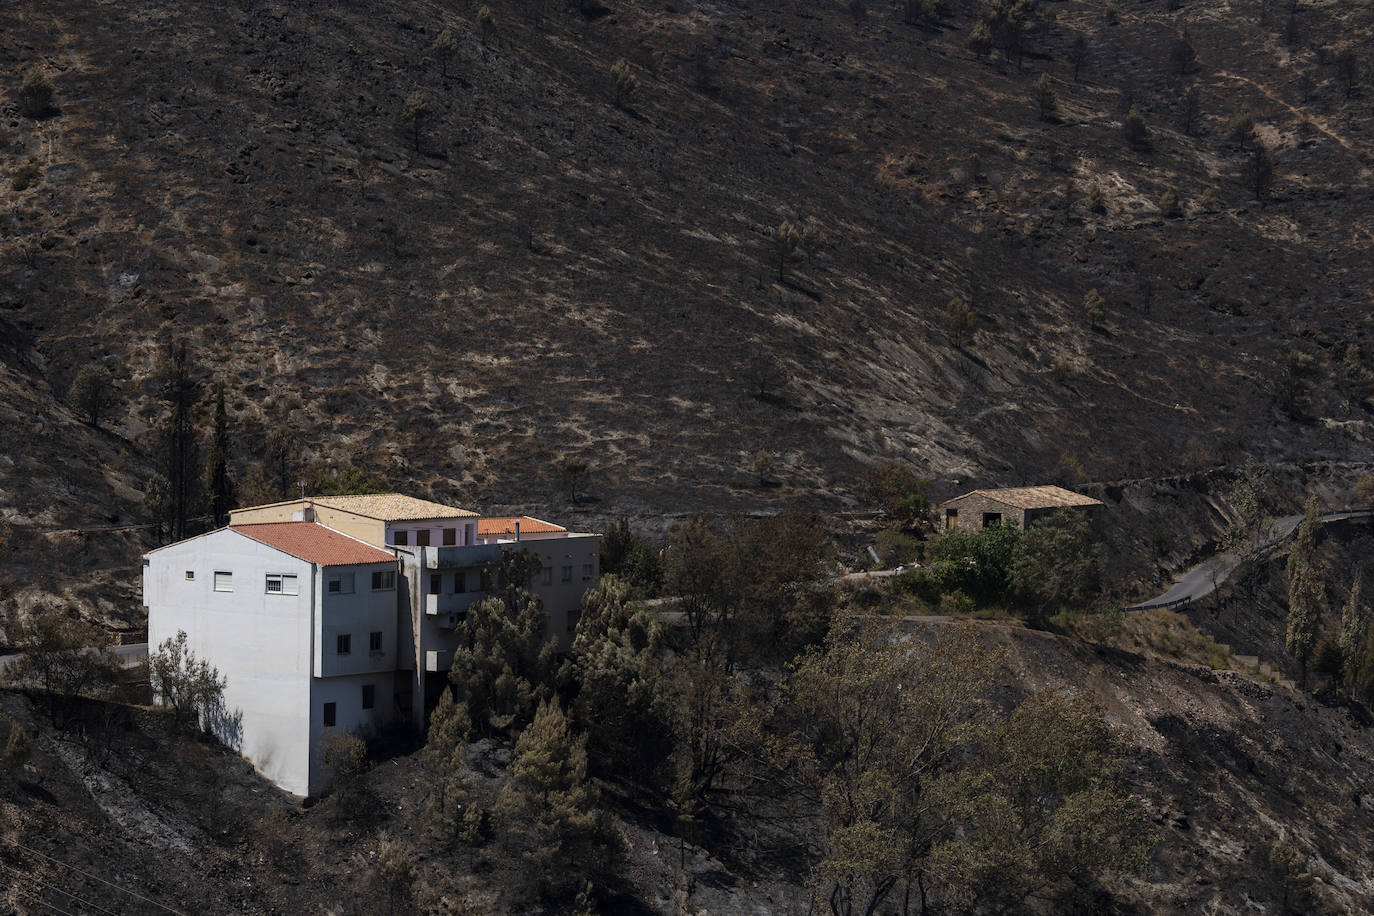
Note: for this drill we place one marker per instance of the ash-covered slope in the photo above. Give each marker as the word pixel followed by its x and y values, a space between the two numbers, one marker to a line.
pixel 563 270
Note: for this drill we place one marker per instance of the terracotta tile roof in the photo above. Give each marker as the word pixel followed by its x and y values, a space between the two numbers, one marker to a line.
pixel 314 543
pixel 1048 497
pixel 497 526
pixel 391 507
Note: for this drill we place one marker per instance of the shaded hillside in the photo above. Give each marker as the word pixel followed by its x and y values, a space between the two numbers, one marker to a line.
pixel 561 271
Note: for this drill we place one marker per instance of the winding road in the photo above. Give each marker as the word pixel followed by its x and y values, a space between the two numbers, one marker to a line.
pixel 1203 579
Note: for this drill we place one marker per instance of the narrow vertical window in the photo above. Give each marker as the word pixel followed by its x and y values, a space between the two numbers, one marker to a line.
pixel 329 718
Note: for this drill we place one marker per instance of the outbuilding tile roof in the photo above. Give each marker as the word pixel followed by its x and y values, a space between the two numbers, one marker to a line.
pixel 1047 497
pixel 391 507
pixel 314 543
pixel 497 526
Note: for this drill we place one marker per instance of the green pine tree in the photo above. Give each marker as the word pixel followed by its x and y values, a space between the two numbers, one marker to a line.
pixel 546 808
pixel 1354 625
pixel 1304 591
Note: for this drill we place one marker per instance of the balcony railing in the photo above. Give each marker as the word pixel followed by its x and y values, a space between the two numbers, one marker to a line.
pixel 438 659
pixel 457 603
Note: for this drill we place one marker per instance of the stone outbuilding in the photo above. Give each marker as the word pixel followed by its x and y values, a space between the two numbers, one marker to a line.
pixel 1018 506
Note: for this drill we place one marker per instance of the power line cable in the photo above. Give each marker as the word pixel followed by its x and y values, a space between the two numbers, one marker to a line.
pixel 95 878
pixel 54 887
pixel 40 901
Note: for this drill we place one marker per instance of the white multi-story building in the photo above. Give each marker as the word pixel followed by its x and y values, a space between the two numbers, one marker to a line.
pixel 427 563
pixel 301 622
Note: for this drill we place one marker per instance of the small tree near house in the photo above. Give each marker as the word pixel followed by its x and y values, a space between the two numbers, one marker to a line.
pixel 192 687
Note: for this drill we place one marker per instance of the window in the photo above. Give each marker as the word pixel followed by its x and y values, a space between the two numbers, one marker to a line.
pixel 992 518
pixel 344 644
pixel 328 715
pixel 369 696
pixel 281 584
pixel 546 576
pixel 567 573
pixel 460 581
pixel 401 538
pixel 422 538
pixel 190 574
pixel 224 581
pixel 450 537
pixel 340 583
pixel 383 580
pixel 573 618
pixel 374 642
pixel 436 583
pixel 586 572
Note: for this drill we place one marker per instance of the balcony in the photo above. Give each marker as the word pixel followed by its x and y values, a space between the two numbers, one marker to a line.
pixel 443 605
pixel 456 557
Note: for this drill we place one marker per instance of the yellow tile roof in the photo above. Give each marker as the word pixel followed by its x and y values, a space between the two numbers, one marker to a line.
pixel 391 507
pixel 1046 497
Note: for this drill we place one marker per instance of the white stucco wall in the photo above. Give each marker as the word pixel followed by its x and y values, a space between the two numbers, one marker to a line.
pixel 260 643
pixel 465 531
pixel 359 615
pixel 562 601
pixel 346 693
pixel 268 647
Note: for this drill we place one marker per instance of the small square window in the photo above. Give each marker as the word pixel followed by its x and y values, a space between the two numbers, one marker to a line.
pixel 436 583
pixel 401 537
pixel 369 696
pixel 567 574
pixel 546 575
pixel 344 644
pixel 340 584
pixel 329 718
pixel 190 574
pixel 374 642
pixel 422 538
pixel 450 537
pixel 224 581
pixel 281 584
pixel 383 580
